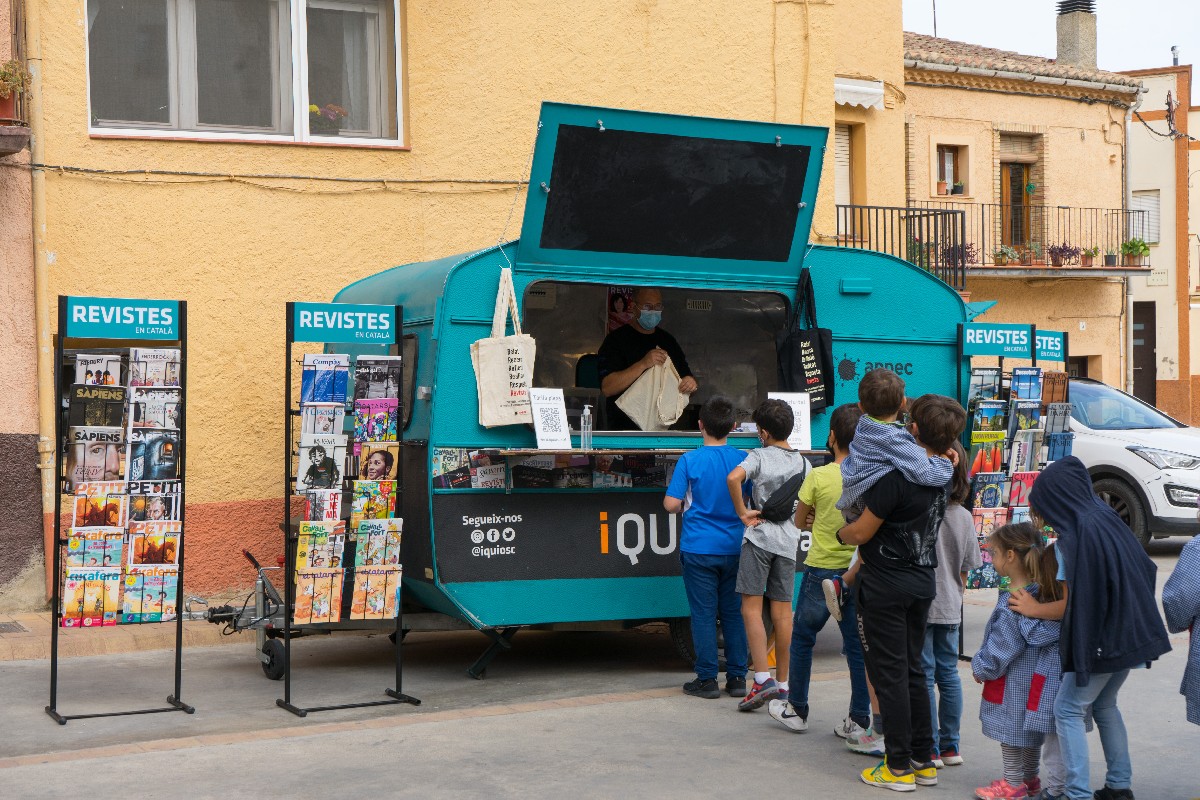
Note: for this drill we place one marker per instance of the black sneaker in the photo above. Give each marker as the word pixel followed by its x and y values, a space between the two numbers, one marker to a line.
pixel 703 687
pixel 1109 793
pixel 735 685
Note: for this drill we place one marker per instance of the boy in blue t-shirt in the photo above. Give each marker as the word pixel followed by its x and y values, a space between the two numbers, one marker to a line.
pixel 709 547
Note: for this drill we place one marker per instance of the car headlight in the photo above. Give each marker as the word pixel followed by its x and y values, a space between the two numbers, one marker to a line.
pixel 1182 496
pixel 1165 459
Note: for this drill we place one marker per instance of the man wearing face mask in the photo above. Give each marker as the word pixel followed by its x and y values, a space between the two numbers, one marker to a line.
pixel 632 349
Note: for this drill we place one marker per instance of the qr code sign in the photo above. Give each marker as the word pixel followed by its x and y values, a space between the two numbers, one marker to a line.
pixel 549 420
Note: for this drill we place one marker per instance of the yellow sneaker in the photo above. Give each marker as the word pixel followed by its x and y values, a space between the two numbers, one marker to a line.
pixel 882 777
pixel 924 774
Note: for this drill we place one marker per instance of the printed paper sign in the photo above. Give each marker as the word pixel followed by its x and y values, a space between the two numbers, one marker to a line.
pixel 801 438
pixel 1051 346
pixel 120 318
pixel 343 322
pixel 550 419
pixel 993 339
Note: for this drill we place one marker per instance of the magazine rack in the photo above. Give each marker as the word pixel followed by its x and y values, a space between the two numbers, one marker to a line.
pixel 1034 349
pixel 125 323
pixel 349 335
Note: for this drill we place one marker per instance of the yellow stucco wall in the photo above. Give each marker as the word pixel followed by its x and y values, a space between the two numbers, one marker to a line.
pixel 476 74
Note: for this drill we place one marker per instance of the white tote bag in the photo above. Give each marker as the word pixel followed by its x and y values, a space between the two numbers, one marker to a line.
pixel 504 364
pixel 654 401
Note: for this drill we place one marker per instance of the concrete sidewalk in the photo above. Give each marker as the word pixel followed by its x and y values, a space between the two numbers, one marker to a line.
pixel 27 636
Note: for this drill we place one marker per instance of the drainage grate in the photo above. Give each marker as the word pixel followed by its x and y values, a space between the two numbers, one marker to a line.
pixel 13 627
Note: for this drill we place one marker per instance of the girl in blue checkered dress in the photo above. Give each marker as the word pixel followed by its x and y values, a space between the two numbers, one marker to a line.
pixel 1018 666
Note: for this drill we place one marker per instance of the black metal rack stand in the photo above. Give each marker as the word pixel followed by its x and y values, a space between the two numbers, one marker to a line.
pixel 174 703
pixel 395 695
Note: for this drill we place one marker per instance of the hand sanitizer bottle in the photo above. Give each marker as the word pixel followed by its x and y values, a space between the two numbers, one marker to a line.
pixel 585 429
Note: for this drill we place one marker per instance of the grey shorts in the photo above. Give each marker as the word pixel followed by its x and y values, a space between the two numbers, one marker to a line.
pixel 760 572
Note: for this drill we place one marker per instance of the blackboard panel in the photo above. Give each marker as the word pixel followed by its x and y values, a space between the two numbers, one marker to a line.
pixel 620 191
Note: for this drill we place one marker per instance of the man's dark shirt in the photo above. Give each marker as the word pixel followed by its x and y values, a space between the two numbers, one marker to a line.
pixel 623 348
pixel 903 552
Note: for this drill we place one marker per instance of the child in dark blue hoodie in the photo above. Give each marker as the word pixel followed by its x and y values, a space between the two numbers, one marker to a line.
pixel 1110 621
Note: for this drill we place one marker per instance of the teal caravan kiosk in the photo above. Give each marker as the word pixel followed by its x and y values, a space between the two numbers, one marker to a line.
pixel 717 215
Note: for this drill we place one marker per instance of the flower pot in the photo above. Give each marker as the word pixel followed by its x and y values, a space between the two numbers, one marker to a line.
pixel 957 189
pixel 1056 261
pixel 941 187
pixel 1027 259
pixel 1110 261
pixel 1133 261
pixel 1001 261
pixel 8 109
pixel 1085 261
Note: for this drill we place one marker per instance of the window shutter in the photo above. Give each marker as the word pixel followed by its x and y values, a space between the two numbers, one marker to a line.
pixel 841 165
pixel 1149 202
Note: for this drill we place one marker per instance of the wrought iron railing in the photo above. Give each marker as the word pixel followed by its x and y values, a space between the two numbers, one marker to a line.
pixel 1043 234
pixel 932 238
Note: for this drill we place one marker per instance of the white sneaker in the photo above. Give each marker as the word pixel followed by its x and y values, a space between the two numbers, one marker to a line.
pixel 782 710
pixel 937 762
pixel 847 728
pixel 867 743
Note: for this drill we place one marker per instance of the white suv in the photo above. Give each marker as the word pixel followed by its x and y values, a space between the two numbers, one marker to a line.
pixel 1143 463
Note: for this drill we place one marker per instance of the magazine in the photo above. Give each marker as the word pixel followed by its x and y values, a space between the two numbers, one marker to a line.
pixel 987 451
pixel 532 472
pixel 985 384
pixel 377 376
pixel 451 468
pixel 320 544
pixel 609 472
pixel 91 597
pixel 1026 384
pixel 379 461
pixel 95 453
pixel 324 377
pixel 1026 415
pixel 377 542
pixel 987 490
pixel 153 454
pixel 94 547
pixel 647 470
pixel 102 406
pixel 322 461
pixel 323 418
pixel 151 594
pixel 98 370
pixel 988 416
pixel 1018 514
pixel 321 505
pixel 318 596
pixel 153 367
pixel 100 503
pixel 1058 417
pixel 155 407
pixel 375 420
pixel 1058 445
pixel 154 542
pixel 372 500
pixel 1054 387
pixel 1026 451
pixel 376 592
pixel 488 470
pixel 1021 483
pixel 154 500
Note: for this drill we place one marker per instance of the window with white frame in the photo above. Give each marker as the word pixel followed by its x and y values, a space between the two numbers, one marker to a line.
pixel 1148 224
pixel 275 69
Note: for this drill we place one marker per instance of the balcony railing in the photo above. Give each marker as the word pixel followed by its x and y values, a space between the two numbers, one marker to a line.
pixel 1032 230
pixel 931 238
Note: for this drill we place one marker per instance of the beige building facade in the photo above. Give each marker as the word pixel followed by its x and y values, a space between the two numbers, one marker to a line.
pixel 362 136
pixel 1032 152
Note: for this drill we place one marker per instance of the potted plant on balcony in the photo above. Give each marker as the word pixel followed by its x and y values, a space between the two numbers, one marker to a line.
pixel 1110 258
pixel 14 79
pixel 1134 250
pixel 1061 254
pixel 941 187
pixel 1003 254
pixel 1089 255
pixel 957 188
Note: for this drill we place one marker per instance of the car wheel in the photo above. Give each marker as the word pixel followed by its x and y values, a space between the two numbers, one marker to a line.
pixel 1122 499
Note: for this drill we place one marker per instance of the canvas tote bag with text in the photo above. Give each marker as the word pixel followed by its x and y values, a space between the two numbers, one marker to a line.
pixel 504 364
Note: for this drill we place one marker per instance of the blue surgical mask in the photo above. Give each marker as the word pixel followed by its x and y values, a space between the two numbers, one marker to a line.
pixel 649 319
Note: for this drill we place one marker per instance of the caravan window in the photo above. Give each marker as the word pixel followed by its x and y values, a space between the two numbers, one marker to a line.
pixel 728 338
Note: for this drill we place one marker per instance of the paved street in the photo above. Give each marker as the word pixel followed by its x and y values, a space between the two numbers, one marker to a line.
pixel 578 714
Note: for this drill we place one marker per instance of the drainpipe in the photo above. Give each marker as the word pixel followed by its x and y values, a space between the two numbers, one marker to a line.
pixel 1128 192
pixel 43 311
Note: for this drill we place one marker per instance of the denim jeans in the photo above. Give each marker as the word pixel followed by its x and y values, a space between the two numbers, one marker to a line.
pixel 811 616
pixel 709 583
pixel 1070 711
pixel 941 669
